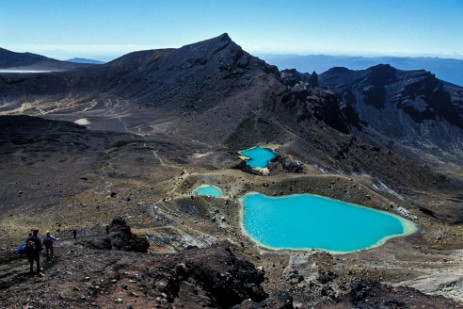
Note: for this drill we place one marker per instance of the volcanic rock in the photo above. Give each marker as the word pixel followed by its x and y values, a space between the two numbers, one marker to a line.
pixel 120 238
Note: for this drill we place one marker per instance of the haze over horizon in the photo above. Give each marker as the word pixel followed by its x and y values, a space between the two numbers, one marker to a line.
pixel 96 30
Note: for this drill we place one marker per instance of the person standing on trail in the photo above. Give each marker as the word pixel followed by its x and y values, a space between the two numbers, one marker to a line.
pixel 48 243
pixel 33 248
pixel 74 233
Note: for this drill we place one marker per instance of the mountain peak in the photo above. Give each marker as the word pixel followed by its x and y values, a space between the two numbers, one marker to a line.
pixel 382 66
pixel 213 44
pixel 224 37
pixel 382 69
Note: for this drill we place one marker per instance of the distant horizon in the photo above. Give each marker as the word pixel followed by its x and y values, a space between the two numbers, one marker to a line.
pixel 95 30
pixel 445 68
pixel 64 56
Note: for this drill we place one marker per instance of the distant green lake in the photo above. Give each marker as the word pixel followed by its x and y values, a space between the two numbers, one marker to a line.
pixel 307 221
pixel 208 190
pixel 259 157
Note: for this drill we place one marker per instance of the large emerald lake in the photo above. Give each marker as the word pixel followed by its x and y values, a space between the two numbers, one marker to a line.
pixel 307 221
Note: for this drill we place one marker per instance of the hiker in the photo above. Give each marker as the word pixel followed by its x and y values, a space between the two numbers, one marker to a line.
pixel 33 248
pixel 107 229
pixel 74 233
pixel 48 243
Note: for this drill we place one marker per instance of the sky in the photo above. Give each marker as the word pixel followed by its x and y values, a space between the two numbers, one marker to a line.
pixel 106 29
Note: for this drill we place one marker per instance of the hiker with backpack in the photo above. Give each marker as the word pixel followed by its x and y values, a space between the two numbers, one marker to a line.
pixel 33 248
pixel 48 243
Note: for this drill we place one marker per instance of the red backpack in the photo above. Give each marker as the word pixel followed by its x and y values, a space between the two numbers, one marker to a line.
pixel 31 246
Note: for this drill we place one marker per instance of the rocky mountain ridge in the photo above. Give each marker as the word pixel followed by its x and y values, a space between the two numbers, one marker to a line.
pixel 447 69
pixel 412 107
pixel 216 80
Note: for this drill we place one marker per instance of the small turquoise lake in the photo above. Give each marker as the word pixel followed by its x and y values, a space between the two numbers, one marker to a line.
pixel 305 221
pixel 208 190
pixel 258 157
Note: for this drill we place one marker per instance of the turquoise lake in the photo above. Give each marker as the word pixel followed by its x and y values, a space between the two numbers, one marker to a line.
pixel 258 157
pixel 313 222
pixel 208 190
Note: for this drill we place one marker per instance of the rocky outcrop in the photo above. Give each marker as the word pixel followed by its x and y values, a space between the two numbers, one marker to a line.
pixel 287 165
pixel 120 238
pixel 227 279
pixel 305 99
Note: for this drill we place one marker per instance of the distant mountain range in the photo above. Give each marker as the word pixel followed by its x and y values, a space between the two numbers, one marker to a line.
pixel 85 60
pixel 13 61
pixel 445 69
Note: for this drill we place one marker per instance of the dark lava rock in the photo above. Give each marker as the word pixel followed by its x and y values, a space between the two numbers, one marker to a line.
pixel 363 289
pixel 289 166
pixel 120 238
pixel 281 300
pixel 426 211
pixel 214 276
pixel 196 278
pixel 227 278
pixel 325 277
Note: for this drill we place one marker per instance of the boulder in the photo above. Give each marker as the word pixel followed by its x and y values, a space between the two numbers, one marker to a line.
pixel 120 238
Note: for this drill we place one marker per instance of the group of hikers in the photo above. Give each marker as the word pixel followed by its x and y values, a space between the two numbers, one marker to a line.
pixel 34 245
